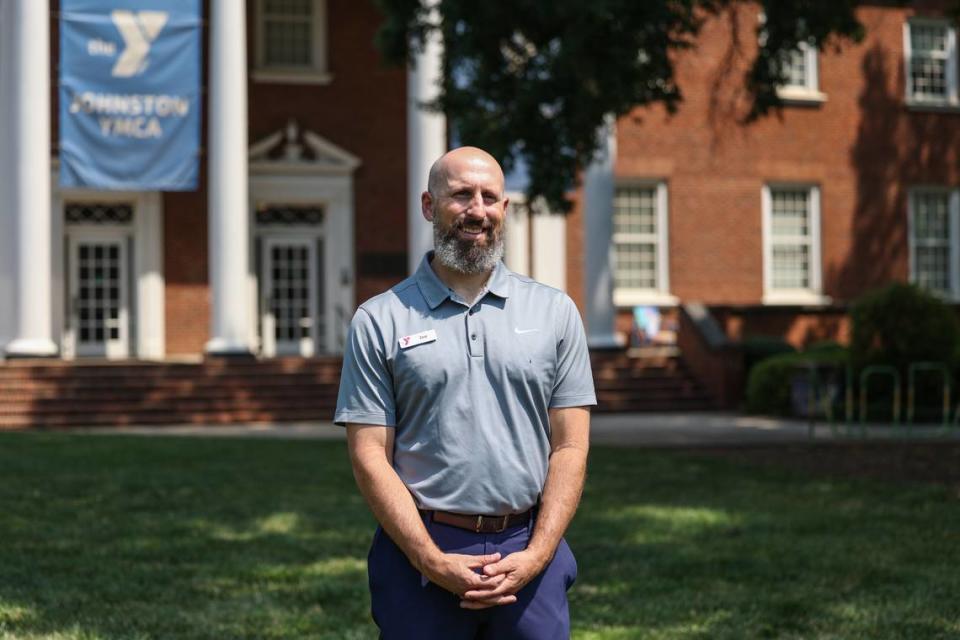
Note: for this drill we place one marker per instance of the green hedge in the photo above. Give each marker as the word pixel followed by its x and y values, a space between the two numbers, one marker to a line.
pixel 900 324
pixel 768 385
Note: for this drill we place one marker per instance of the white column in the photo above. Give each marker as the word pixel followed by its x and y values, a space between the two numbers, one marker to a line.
pixel 230 319
pixel 6 214
pixel 598 221
pixel 29 184
pixel 426 141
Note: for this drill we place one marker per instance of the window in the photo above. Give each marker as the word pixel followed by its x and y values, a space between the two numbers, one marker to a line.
pixel 930 55
pixel 640 245
pixel 800 70
pixel 291 41
pixel 802 77
pixel 934 238
pixel 791 243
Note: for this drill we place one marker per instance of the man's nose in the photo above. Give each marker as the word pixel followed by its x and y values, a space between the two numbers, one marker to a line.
pixel 475 205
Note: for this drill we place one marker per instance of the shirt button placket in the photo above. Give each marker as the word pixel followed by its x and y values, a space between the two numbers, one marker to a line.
pixel 473 334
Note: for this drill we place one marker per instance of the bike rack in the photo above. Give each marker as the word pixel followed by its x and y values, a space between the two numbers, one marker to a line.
pixel 884 370
pixel 912 371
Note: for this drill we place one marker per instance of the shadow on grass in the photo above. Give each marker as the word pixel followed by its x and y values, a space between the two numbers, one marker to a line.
pixel 679 546
pixel 111 537
pixel 131 538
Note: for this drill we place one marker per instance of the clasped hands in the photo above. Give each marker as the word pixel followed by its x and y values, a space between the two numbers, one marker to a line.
pixel 486 580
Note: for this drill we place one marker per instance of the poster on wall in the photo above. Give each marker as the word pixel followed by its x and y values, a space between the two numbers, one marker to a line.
pixel 130 94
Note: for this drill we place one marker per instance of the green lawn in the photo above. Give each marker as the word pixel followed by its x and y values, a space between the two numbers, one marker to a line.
pixel 126 537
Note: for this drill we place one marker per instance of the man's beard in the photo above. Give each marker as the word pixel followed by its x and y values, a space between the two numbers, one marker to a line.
pixel 466 256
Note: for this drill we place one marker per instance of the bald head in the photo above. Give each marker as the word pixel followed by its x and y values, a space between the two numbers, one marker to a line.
pixel 460 160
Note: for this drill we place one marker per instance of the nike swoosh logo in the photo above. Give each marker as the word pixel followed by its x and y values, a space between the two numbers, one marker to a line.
pixel 522 331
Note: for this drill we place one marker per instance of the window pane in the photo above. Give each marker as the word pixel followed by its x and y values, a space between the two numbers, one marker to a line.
pixel 791 267
pixel 928 60
pixel 288 7
pixel 789 213
pixel 931 219
pixel 287 43
pixel 928 38
pixel 636 266
pixel 796 69
pixel 635 210
pixel 933 268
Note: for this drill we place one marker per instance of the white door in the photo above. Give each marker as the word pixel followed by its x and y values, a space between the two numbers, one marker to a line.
pixel 290 310
pixel 98 304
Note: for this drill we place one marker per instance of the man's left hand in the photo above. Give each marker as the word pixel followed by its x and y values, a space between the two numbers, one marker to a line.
pixel 517 568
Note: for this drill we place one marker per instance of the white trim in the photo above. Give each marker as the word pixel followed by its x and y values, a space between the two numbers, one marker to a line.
pixel 952 100
pixel 149 319
pixel 660 295
pixel 119 348
pixel 315 73
pixel 335 194
pixel 307 239
pixel 517 235
pixel 812 295
pixel 953 241
pixel 549 259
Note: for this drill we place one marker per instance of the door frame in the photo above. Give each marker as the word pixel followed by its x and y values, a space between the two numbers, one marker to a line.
pixel 113 350
pixel 148 320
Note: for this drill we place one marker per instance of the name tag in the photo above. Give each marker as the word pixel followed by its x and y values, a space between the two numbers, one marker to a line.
pixel 417 338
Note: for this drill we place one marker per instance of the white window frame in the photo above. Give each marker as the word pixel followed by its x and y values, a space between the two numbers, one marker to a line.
pixel 316 73
pixel 809 92
pixel 812 295
pixel 951 100
pixel 953 242
pixel 660 295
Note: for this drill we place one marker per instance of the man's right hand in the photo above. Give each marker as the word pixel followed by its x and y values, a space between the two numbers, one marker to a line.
pixel 458 574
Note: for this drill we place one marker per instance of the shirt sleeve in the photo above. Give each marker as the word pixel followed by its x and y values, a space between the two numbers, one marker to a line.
pixel 574 382
pixel 366 384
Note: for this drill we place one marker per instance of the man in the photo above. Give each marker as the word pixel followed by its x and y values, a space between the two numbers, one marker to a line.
pixel 464 392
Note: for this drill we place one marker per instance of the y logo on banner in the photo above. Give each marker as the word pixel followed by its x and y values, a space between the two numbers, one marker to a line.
pixel 139 30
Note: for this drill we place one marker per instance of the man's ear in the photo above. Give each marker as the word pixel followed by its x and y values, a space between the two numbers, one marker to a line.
pixel 426 205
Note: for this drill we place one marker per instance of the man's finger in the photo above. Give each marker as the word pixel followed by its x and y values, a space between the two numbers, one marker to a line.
pixel 477 582
pixel 496 568
pixel 475 562
pixel 485 604
pixel 503 589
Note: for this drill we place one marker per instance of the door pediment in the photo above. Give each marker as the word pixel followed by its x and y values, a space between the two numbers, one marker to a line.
pixel 296 151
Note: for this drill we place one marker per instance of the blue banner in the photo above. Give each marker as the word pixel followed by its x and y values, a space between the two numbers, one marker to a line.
pixel 130 94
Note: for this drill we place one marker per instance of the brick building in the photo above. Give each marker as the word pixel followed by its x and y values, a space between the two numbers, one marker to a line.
pixel 309 199
pixel 778 224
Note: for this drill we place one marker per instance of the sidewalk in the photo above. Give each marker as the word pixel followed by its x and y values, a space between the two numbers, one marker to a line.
pixel 631 429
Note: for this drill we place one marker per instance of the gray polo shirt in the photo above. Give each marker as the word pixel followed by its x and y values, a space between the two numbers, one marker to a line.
pixel 466 387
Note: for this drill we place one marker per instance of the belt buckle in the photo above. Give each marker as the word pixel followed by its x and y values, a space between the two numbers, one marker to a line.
pixel 500 529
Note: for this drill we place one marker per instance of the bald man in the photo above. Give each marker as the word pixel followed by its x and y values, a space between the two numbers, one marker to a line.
pixel 465 392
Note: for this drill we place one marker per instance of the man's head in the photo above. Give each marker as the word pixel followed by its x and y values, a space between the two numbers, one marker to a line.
pixel 465 202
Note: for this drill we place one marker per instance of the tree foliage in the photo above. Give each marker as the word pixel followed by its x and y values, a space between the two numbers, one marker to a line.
pixel 534 80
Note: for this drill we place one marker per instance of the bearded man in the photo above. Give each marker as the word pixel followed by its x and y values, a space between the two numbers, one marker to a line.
pixel 465 393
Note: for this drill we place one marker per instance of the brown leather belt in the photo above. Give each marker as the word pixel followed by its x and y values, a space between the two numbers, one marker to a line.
pixel 479 523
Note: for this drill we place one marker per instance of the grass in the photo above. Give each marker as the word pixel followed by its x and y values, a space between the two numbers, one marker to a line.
pixel 122 537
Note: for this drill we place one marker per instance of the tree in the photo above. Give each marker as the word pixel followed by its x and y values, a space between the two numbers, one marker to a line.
pixel 534 79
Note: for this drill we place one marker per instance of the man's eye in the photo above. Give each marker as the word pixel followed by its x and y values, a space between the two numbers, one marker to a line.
pixel 490 199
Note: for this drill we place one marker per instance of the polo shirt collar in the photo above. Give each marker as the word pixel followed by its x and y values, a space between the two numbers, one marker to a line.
pixel 435 291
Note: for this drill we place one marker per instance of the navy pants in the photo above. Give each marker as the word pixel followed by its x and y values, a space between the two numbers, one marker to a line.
pixel 406 606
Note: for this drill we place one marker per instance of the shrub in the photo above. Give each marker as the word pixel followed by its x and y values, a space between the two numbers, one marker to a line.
pixel 768 385
pixel 900 324
pixel 758 348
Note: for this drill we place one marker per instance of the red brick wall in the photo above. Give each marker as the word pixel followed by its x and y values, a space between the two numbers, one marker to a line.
pixel 862 147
